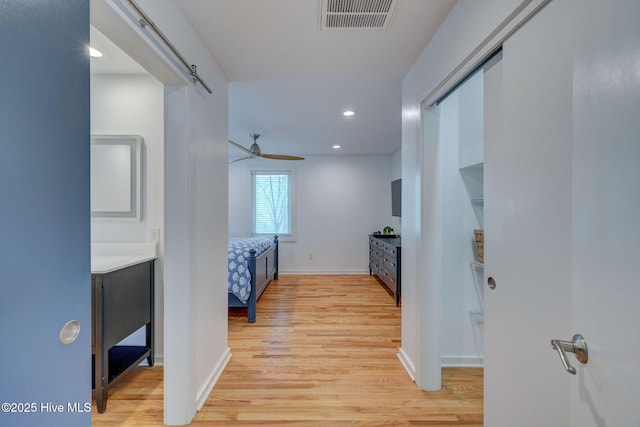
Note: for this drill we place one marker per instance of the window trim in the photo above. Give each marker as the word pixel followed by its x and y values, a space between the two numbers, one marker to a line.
pixel 293 211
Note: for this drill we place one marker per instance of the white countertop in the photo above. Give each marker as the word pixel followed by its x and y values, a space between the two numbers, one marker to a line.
pixel 107 264
pixel 108 257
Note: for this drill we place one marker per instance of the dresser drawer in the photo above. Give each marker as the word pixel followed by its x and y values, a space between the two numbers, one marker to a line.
pixel 390 260
pixel 392 251
pixel 390 279
pixel 384 262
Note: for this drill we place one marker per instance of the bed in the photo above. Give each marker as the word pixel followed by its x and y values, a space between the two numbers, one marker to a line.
pixel 253 263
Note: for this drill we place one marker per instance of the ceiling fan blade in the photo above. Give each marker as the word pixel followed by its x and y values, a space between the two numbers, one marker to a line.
pixel 241 158
pixel 279 157
pixel 240 147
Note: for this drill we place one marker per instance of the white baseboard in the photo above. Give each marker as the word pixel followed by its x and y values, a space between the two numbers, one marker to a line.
pixel 408 366
pixel 445 362
pixel 211 381
pixel 462 362
pixel 323 272
pixel 158 360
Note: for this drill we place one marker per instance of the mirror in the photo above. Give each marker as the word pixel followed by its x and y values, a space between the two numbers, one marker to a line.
pixel 116 177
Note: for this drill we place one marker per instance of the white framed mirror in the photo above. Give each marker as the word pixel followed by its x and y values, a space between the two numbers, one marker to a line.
pixel 116 185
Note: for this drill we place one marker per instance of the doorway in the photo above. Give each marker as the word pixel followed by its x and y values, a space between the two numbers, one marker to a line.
pixel 452 189
pixel 127 100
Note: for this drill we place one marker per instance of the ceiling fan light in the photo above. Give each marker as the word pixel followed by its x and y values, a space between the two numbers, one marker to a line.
pixel 255 149
pixel 348 113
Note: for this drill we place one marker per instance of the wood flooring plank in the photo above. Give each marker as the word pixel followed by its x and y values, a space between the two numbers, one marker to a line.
pixel 322 352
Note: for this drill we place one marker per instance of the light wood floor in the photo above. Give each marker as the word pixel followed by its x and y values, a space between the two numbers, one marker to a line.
pixel 322 352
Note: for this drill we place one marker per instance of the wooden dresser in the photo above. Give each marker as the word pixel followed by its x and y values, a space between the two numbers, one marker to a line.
pixel 384 262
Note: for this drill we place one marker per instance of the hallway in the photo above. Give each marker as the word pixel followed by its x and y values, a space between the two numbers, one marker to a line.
pixel 323 351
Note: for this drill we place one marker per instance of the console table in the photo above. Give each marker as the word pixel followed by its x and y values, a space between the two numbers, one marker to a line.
pixel 384 262
pixel 122 302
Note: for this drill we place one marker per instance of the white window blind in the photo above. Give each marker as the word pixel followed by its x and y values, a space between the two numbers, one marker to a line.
pixel 272 202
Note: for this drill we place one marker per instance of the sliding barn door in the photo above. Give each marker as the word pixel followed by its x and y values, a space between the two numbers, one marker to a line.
pixel 606 213
pixel 563 230
pixel 528 224
pixel 44 214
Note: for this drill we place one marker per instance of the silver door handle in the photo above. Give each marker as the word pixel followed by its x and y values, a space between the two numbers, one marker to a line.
pixel 577 346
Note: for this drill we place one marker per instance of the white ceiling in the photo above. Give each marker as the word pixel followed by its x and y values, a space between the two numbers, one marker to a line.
pixel 113 60
pixel 290 82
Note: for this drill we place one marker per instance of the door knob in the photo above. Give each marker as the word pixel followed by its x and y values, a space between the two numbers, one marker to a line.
pixel 577 346
pixel 69 332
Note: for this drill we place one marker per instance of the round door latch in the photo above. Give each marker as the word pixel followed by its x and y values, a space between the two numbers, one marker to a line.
pixel 69 332
pixel 491 283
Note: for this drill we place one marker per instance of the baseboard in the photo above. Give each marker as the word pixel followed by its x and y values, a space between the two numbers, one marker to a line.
pixel 462 362
pixel 445 362
pixel 323 272
pixel 408 366
pixel 211 381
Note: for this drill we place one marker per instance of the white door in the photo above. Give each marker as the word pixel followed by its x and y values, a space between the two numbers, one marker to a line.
pixel 606 212
pixel 528 225
pixel 44 213
pixel 562 193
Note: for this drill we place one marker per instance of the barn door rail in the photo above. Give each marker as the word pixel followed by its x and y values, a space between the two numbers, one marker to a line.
pixel 145 21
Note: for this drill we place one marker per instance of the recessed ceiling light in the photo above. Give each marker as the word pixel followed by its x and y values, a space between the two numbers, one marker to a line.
pixel 348 113
pixel 94 53
pixel 336 147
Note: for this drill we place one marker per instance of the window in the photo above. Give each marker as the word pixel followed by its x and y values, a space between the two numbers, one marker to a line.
pixel 272 203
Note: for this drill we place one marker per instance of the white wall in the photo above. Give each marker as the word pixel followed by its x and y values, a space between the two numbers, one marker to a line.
pixel 461 337
pixel 469 32
pixel 134 105
pixel 196 349
pixel 196 179
pixel 340 200
pixel 396 165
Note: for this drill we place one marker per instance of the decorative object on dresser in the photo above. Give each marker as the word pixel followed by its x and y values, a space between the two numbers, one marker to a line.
pixel 122 302
pixel 478 237
pixel 253 262
pixel 386 232
pixel 384 260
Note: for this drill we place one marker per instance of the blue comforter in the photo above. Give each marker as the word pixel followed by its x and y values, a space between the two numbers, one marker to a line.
pixel 238 254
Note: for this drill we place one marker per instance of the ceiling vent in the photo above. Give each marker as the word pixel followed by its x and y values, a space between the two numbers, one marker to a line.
pixel 356 14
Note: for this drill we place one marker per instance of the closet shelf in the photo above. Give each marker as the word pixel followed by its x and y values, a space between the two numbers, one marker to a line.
pixel 477 264
pixel 477 316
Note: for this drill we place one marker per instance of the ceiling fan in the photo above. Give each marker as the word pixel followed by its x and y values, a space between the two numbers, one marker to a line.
pixel 254 151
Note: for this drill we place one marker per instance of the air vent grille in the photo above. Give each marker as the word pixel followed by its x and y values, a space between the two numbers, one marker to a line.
pixel 356 14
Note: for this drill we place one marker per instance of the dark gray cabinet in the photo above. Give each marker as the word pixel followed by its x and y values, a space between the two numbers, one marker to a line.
pixel 385 262
pixel 122 303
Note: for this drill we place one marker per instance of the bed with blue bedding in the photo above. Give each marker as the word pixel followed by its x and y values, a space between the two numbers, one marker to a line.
pixel 253 263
